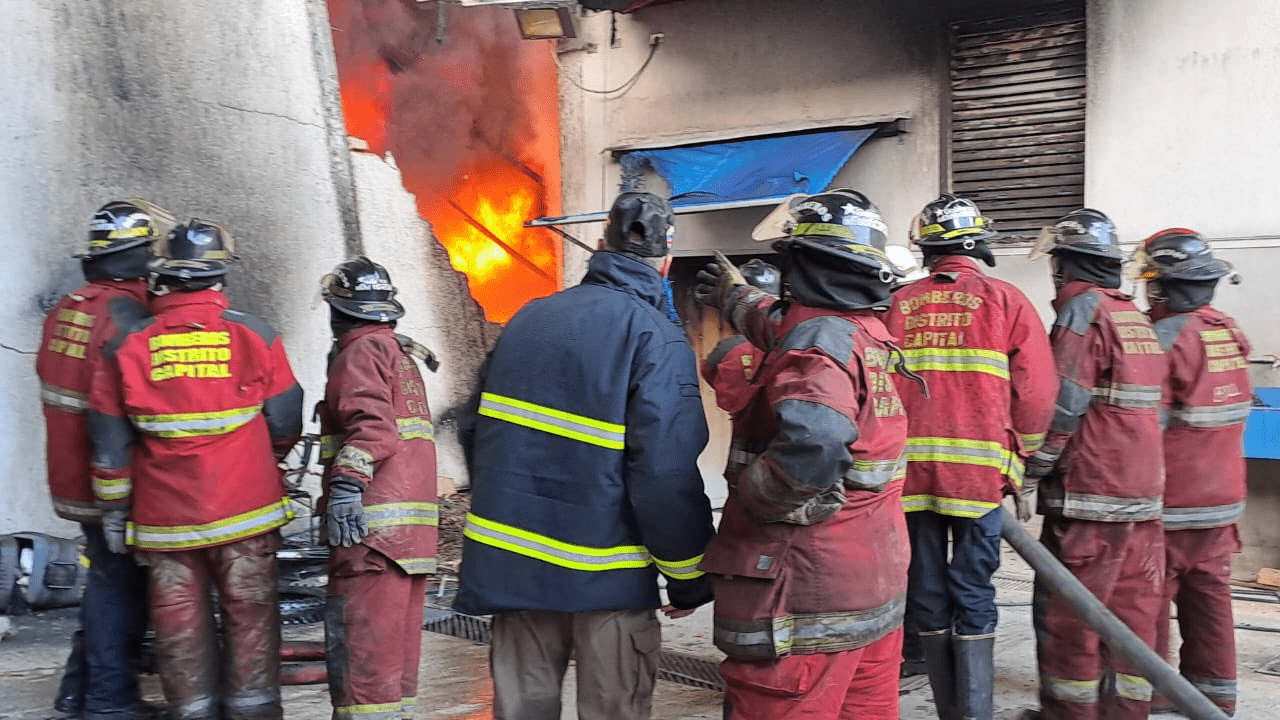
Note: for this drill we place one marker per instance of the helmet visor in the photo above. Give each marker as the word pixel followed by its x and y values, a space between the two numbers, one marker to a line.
pixel 1141 266
pixel 1046 242
pixel 778 223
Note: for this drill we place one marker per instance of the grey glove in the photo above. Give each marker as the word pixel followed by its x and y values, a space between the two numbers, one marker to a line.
pixel 816 509
pixel 1040 465
pixel 345 513
pixel 1025 503
pixel 115 524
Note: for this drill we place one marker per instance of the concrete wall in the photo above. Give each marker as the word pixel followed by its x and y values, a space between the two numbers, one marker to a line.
pixel 212 109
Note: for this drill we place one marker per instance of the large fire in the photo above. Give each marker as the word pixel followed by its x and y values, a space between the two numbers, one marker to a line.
pixel 473 124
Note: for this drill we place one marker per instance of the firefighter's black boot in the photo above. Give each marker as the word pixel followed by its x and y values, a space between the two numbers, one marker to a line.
pixel 975 675
pixel 942 671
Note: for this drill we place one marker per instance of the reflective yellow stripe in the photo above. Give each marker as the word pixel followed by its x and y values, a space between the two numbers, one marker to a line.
pixel 682 570
pixel 1084 692
pixel 112 488
pixel 417 566
pixel 992 362
pixel 328 446
pixel 964 451
pixel 132 232
pixel 401 513
pixel 381 711
pixel 1133 687
pixel 555 422
pixel 555 552
pixel 248 524
pixel 947 506
pixel 415 428
pixel 198 424
pixel 1031 442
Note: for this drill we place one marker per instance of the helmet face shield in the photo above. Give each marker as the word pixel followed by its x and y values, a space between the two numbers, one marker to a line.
pixel 1045 242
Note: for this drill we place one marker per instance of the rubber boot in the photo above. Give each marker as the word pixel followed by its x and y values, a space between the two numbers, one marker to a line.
pixel 938 657
pixel 70 697
pixel 975 675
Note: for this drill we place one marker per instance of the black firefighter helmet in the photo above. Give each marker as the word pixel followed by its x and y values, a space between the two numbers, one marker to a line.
pixel 1178 254
pixel 950 220
pixel 196 250
pixel 123 224
pixel 641 224
pixel 1085 231
pixel 361 288
pixel 844 226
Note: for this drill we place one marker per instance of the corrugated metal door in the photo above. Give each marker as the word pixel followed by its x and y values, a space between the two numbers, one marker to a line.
pixel 1017 116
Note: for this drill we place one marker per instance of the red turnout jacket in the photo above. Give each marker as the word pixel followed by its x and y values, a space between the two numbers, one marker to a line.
pixel 730 369
pixel 812 553
pixel 1105 438
pixel 377 429
pixel 979 344
pixel 74 333
pixel 189 412
pixel 1207 399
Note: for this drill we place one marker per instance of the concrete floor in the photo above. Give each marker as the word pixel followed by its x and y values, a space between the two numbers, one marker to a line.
pixel 455 683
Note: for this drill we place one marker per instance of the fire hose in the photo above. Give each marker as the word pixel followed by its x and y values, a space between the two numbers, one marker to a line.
pixel 1118 637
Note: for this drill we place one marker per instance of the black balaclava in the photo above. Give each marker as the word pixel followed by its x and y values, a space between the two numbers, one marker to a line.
pixel 1181 295
pixel 979 251
pixel 127 264
pixel 1100 271
pixel 341 323
pixel 819 279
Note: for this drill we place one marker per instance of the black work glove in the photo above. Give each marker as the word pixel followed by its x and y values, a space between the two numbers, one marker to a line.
pixel 689 594
pixel 345 513
pixel 709 288
pixel 1039 465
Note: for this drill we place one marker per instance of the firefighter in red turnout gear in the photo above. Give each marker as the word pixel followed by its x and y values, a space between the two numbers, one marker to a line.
pixel 380 501
pixel 732 364
pixel 1206 400
pixel 1100 473
pixel 985 355
pixel 99 680
pixel 190 411
pixel 810 561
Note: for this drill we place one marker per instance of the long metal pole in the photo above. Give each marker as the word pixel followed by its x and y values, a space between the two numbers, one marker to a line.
pixel 1118 637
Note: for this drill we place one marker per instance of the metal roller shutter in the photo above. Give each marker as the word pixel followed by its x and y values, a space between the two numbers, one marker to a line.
pixel 1017 115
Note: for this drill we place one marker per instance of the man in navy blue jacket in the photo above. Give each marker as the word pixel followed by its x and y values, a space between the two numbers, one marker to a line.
pixel 585 484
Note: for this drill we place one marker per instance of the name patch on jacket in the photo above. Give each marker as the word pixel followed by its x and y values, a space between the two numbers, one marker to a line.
pixel 71 335
pixel 1137 337
pixel 1223 352
pixel 190 354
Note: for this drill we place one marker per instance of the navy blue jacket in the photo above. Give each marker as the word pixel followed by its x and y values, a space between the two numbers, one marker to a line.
pixel 584 474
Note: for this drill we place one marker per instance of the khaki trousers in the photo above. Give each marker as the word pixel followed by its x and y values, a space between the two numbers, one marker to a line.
pixel 617 663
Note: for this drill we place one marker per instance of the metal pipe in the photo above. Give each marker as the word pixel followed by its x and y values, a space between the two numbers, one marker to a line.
pixel 515 254
pixel 1118 637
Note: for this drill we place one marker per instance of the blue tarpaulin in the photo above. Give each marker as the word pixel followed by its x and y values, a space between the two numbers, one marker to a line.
pixel 767 168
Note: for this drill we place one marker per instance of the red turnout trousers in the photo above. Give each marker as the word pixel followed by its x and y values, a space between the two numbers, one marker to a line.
pixel 857 684
pixel 373 635
pixel 1197 577
pixel 1123 565
pixel 244 678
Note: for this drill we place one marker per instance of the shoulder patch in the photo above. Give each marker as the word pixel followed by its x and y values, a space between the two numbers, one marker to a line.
pixel 253 322
pixel 1168 329
pixel 832 335
pixel 1077 314
pixel 723 347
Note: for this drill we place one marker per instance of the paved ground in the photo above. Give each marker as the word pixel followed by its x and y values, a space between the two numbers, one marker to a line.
pixel 455 682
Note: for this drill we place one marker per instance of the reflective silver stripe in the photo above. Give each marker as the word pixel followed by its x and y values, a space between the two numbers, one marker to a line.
pixel 196 424
pixel 76 511
pixel 1211 416
pixel 1133 687
pixel 741 457
pixel 1103 508
pixel 63 399
pixel 254 522
pixel 1217 689
pixel 1130 396
pixel 251 702
pixel 815 632
pixel 356 459
pixel 415 428
pixel 553 421
pixel 1073 691
pixel 1200 518
pixel 417 566
pixel 874 474
pixel 401 513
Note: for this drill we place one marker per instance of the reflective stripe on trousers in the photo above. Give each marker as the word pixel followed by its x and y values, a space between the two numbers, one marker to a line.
pixel 553 421
pixel 575 557
pixel 199 424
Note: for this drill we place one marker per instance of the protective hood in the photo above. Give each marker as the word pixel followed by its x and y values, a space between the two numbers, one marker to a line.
pixel 979 251
pixel 1095 269
pixel 125 264
pixel 1181 296
pixel 815 279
